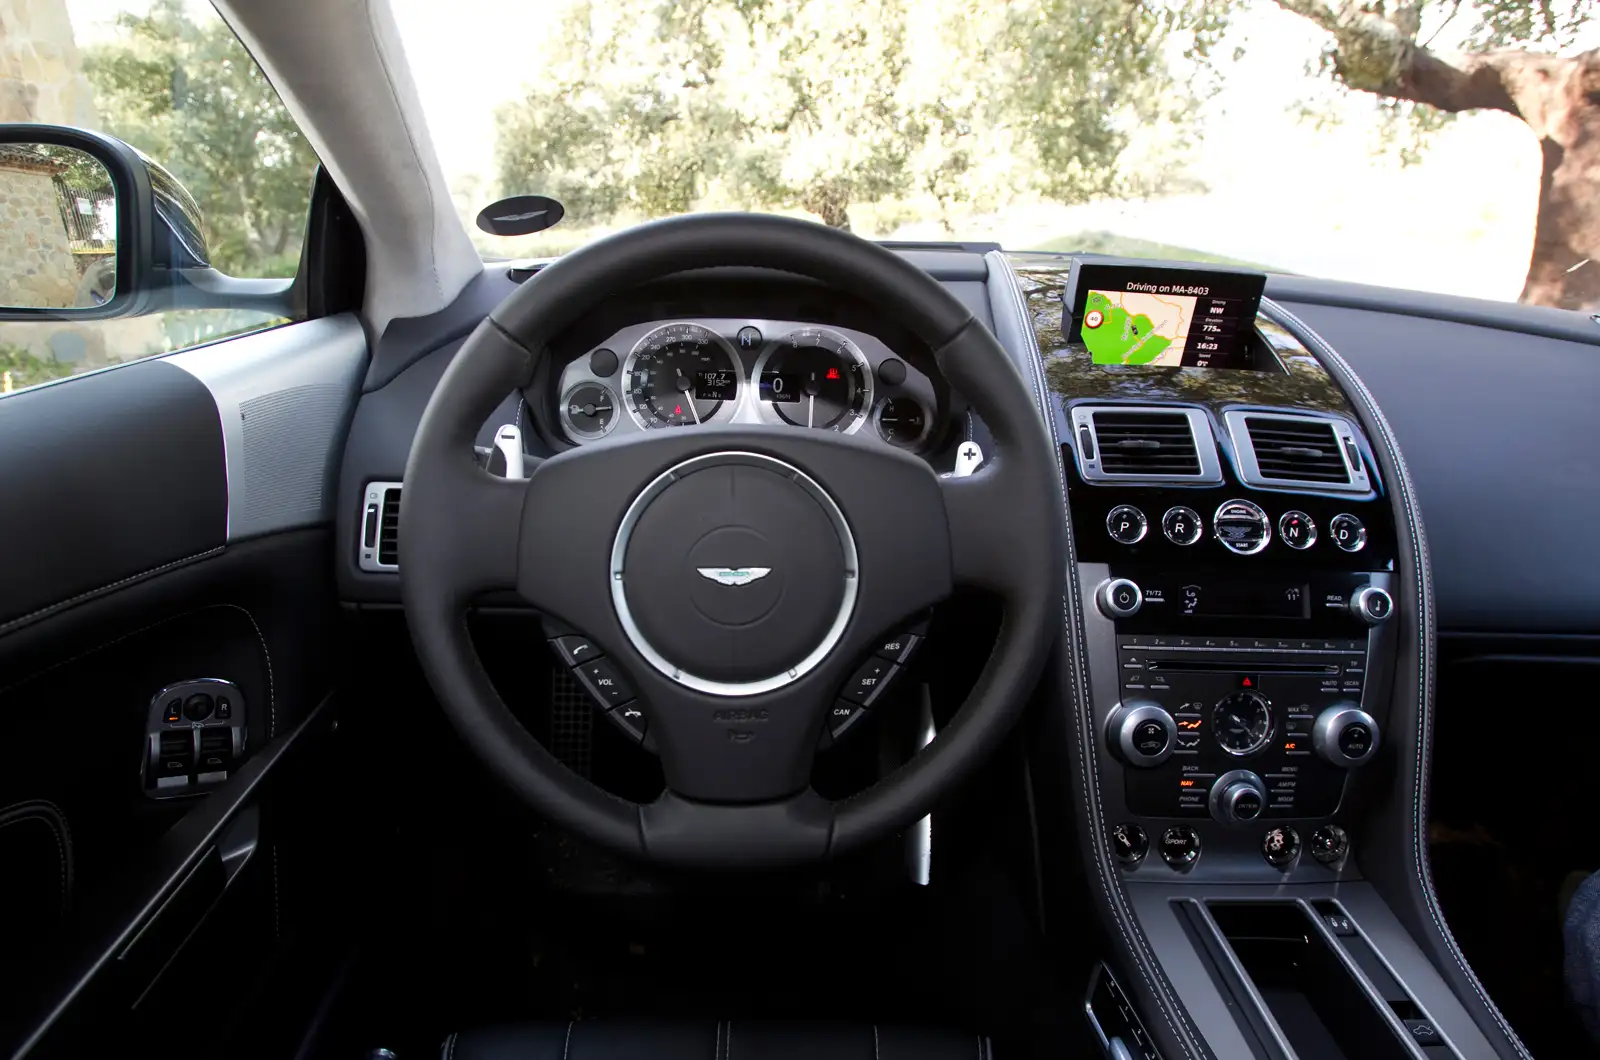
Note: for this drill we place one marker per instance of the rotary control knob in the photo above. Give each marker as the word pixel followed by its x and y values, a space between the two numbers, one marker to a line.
pixel 1371 604
pixel 1130 843
pixel 1118 598
pixel 1141 733
pixel 1345 735
pixel 1238 797
pixel 1280 847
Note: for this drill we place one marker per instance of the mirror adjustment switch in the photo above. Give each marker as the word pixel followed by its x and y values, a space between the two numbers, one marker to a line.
pixel 195 734
pixel 174 711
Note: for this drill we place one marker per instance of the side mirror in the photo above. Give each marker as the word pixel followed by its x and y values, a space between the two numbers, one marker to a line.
pixel 75 224
pixel 91 229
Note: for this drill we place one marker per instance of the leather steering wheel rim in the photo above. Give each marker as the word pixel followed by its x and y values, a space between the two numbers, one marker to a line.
pixel 464 532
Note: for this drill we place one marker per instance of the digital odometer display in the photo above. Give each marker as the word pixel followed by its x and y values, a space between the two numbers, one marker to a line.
pixel 1164 317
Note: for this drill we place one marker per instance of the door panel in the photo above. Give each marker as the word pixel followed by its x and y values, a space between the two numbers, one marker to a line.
pixel 163 521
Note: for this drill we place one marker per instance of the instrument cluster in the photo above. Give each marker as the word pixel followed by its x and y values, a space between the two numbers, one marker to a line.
pixel 684 373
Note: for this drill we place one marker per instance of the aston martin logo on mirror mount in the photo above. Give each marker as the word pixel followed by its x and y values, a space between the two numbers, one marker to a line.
pixel 734 575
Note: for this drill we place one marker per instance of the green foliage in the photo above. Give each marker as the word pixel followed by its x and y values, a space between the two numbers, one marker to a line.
pixel 193 99
pixel 1128 247
pixel 24 368
pixel 661 106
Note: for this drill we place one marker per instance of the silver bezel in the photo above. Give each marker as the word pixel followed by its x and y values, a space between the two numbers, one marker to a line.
pixel 877 421
pixel 1250 470
pixel 566 418
pixel 1361 541
pixel 1144 524
pixel 1312 523
pixel 767 414
pixel 1219 789
pixel 1261 744
pixel 1205 445
pixel 722 415
pixel 1325 735
pixel 1199 526
pixel 367 558
pixel 1266 527
pixel 1126 719
pixel 659 662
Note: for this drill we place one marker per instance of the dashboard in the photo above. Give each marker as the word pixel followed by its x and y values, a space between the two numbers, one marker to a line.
pixel 664 374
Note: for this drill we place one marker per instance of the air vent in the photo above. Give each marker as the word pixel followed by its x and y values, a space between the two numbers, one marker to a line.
pixel 1305 452
pixel 380 527
pixel 1124 443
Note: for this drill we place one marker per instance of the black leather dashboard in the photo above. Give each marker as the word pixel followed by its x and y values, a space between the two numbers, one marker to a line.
pixel 1500 430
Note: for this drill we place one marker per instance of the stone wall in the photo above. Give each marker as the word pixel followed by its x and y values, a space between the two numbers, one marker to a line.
pixel 41 71
pixel 37 270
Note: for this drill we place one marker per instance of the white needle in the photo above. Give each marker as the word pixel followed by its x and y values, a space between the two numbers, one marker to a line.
pixel 811 409
pixel 694 409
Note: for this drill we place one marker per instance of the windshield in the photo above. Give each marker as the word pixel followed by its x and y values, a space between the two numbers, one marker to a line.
pixel 1270 134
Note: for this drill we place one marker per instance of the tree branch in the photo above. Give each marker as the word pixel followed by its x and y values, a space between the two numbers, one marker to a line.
pixel 1373 54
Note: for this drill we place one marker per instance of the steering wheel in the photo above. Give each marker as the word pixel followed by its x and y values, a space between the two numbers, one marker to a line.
pixel 735 680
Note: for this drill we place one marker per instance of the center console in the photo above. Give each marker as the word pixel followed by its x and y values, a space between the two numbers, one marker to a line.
pixel 1244 695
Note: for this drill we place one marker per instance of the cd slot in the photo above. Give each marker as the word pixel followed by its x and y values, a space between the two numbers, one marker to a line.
pixel 1233 666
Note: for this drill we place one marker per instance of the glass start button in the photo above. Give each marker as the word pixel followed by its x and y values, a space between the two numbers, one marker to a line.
pixel 1242 527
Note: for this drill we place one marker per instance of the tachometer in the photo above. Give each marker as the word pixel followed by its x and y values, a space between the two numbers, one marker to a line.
pixel 816 378
pixel 679 374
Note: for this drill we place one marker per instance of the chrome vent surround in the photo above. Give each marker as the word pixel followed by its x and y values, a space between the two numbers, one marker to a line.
pixel 380 527
pixel 1144 443
pixel 1297 450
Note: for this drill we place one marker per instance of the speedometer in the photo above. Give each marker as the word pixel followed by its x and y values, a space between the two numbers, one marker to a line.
pixel 816 378
pixel 679 374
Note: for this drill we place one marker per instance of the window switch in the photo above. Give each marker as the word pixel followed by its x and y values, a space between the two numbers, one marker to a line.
pixel 175 755
pixel 216 750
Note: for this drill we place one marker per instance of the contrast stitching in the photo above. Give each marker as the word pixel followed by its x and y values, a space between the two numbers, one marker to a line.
pixel 1144 959
pixel 28 811
pixel 61 605
pixel 450 1047
pixel 567 1044
pixel 1424 586
pixel 875 1055
pixel 272 697
pixel 729 1054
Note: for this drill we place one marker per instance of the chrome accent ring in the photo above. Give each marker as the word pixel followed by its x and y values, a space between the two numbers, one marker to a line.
pixel 659 662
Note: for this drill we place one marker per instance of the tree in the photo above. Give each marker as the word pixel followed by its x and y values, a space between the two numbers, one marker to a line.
pixel 657 106
pixel 1510 59
pixel 193 99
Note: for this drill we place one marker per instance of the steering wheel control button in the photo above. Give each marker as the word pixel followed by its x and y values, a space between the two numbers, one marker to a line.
pixel 734 573
pixel 1129 843
pixel 842 717
pixel 1126 524
pixel 1345 735
pixel 1119 598
pixel 1141 733
pixel 1182 525
pixel 1297 530
pixel 604 681
pixel 631 721
pixel 899 648
pixel 867 684
pixel 197 707
pixel 1237 797
pixel 1180 847
pixel 1242 527
pixel 1348 532
pixel 1329 844
pixel 1371 605
pixel 1280 847
pixel 575 649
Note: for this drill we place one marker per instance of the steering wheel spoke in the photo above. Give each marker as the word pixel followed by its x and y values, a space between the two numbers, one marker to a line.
pixel 988 545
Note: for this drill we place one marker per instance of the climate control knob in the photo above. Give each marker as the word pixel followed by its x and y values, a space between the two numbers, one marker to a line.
pixel 1371 604
pixel 1119 598
pixel 1345 735
pixel 1141 733
pixel 1238 797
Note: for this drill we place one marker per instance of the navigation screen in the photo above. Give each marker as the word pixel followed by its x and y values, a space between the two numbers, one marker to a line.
pixel 1190 318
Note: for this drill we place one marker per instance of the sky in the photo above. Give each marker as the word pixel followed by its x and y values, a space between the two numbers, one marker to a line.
pixel 1281 191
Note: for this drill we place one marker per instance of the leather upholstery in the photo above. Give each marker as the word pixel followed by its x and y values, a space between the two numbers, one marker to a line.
pixel 722 1040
